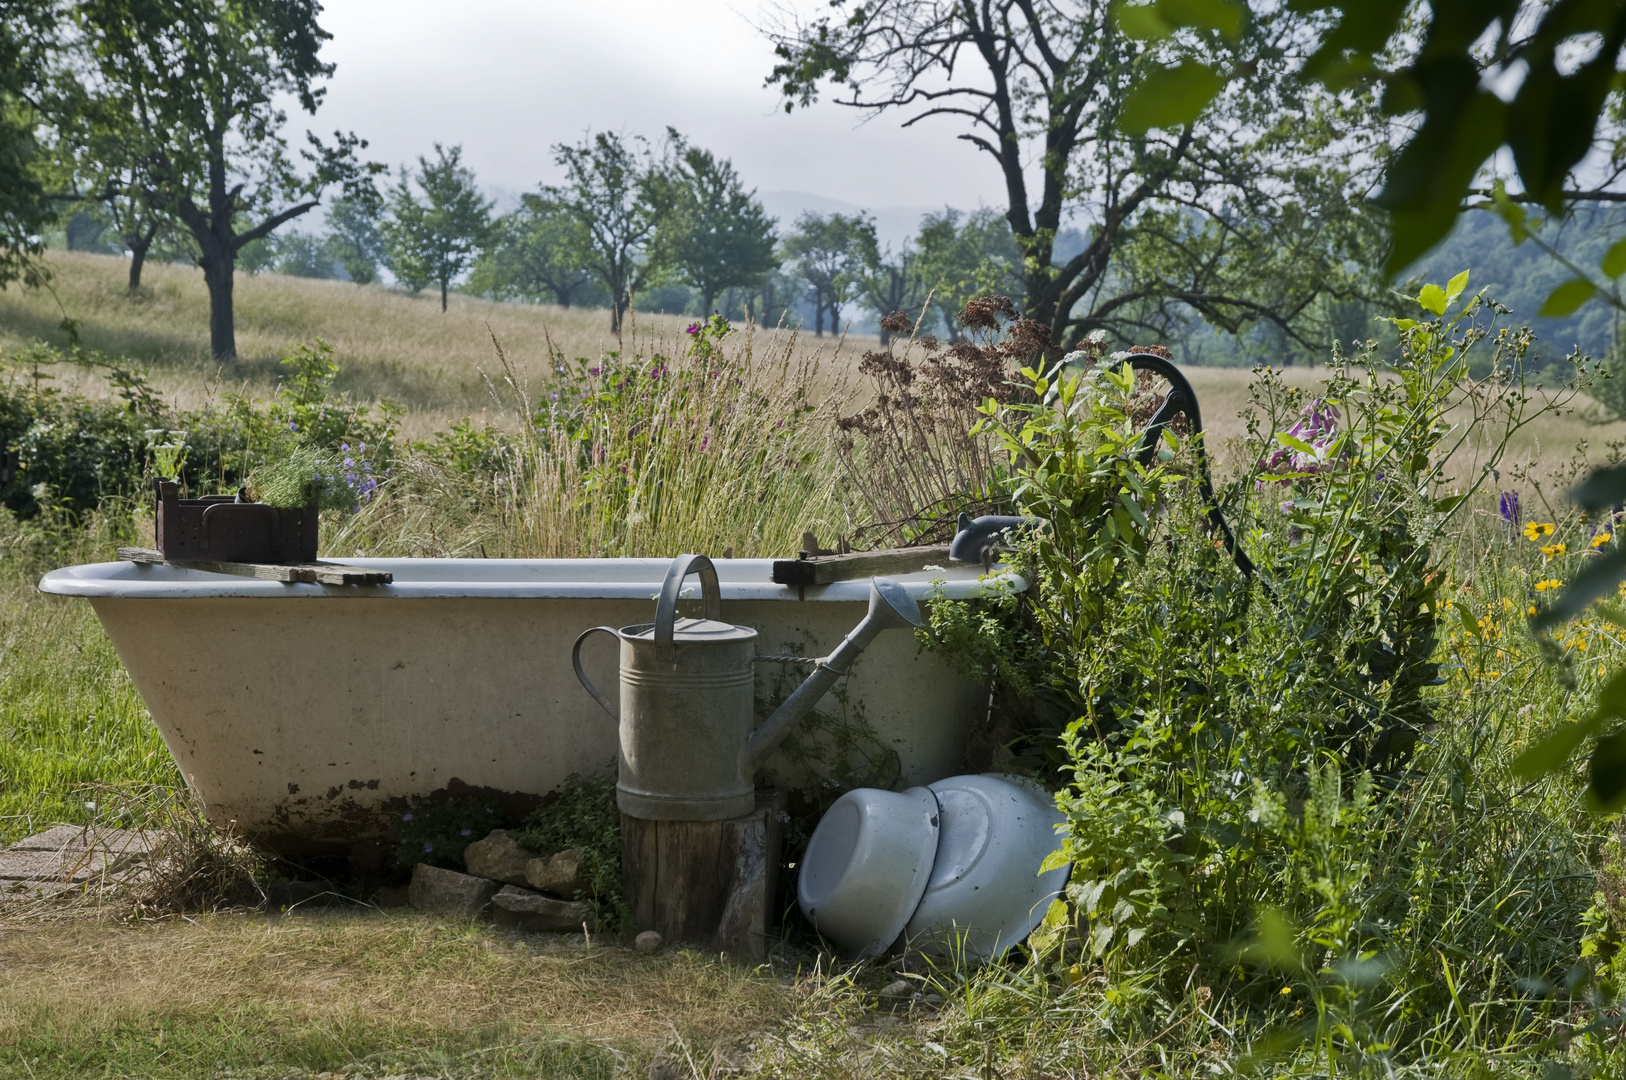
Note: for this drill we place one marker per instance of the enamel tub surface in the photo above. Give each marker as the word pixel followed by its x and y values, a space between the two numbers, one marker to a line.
pixel 310 714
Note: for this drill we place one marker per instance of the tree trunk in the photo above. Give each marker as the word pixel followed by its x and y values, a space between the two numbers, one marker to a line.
pixel 443 296
pixel 218 267
pixel 139 242
pixel 138 255
pixel 818 315
pixel 707 299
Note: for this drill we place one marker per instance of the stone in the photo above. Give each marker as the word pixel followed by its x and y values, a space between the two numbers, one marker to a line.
pixel 78 838
pixel 498 857
pixel 901 989
pixel 648 942
pixel 522 909
pixel 446 892
pixel 559 875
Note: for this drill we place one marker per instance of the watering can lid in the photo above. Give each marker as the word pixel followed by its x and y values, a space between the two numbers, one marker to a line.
pixel 695 631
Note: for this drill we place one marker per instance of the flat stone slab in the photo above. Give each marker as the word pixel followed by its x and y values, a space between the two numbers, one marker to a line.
pixel 74 837
pixel 69 855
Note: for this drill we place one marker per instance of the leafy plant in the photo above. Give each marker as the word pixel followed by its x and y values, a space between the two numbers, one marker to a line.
pixel 584 815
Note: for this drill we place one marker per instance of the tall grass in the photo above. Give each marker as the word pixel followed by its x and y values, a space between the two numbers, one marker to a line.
pixel 709 442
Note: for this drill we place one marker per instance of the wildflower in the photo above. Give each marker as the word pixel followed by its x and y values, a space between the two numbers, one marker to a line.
pixel 694 328
pixel 466 832
pixel 428 847
pixel 1538 529
pixel 1550 583
pixel 1508 505
pixel 1553 551
pixel 406 817
pixel 1601 539
pixel 1531 610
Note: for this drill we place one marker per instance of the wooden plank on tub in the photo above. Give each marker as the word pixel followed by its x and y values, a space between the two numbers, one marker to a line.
pixel 823 569
pixel 316 573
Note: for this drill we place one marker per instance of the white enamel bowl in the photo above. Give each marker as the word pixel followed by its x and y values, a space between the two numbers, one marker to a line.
pixel 985 892
pixel 866 867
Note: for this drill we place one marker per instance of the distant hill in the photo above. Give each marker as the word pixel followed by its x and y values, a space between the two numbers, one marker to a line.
pixel 1521 277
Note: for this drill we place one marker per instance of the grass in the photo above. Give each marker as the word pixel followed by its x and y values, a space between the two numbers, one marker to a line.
pixel 392 992
pixel 391 344
pixel 377 993
pixel 69 714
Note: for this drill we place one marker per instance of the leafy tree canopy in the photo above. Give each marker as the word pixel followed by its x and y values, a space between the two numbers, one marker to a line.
pixel 1247 211
pixel 195 89
pixel 436 237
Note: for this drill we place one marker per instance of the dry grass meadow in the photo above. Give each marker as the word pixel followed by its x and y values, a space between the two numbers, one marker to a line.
pixel 400 347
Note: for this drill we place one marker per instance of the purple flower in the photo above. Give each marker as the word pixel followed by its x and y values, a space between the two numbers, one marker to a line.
pixel 427 848
pixel 1507 504
pixel 466 832
pixel 694 328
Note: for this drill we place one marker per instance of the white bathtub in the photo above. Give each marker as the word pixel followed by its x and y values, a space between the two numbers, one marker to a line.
pixel 308 714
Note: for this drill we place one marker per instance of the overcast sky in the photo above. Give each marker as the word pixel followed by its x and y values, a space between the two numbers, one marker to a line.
pixel 508 79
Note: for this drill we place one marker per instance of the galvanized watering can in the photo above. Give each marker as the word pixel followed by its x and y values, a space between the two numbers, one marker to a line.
pixel 688 751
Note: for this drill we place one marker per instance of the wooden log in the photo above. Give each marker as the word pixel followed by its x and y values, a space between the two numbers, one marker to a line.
pixel 823 569
pixel 317 573
pixel 706 883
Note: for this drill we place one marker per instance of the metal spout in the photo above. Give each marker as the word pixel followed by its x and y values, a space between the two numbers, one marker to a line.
pixel 890 608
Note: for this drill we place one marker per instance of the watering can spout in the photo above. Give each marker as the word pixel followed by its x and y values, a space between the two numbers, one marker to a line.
pixel 890 608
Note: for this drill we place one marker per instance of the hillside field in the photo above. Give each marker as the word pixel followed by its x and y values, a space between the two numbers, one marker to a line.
pixel 393 345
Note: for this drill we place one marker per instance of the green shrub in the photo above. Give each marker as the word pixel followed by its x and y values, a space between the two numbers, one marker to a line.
pixel 1269 795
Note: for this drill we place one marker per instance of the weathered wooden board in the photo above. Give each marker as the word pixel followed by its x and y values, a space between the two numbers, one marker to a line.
pixel 319 573
pixel 823 569
pixel 706 883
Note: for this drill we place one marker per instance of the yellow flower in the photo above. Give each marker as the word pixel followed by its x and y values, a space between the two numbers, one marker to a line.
pixel 1532 610
pixel 1601 539
pixel 1543 586
pixel 1553 551
pixel 1537 529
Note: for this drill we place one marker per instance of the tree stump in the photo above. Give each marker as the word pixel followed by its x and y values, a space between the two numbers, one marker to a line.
pixel 705 883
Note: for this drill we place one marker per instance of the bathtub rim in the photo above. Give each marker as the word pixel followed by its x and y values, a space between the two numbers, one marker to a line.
pixel 640 579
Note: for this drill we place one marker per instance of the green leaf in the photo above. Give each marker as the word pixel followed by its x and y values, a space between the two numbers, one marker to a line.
pixel 1614 260
pixel 1222 15
pixel 1551 752
pixel 1433 299
pixel 1170 97
pixel 1566 298
pixel 1454 287
pixel 1465 616
pixel 1143 22
pixel 1602 488
pixel 1606 774
pixel 1293 442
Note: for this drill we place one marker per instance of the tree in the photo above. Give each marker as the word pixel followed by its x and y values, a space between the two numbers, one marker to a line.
pixel 535 256
pixel 828 254
pixel 1272 166
pixel 200 82
pixel 960 261
pixel 613 193
pixel 718 235
pixel 304 255
pixel 893 283
pixel 437 238
pixel 353 235
pixel 28 30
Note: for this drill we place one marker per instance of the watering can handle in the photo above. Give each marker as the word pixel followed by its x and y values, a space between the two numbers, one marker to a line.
pixel 666 610
pixel 576 662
